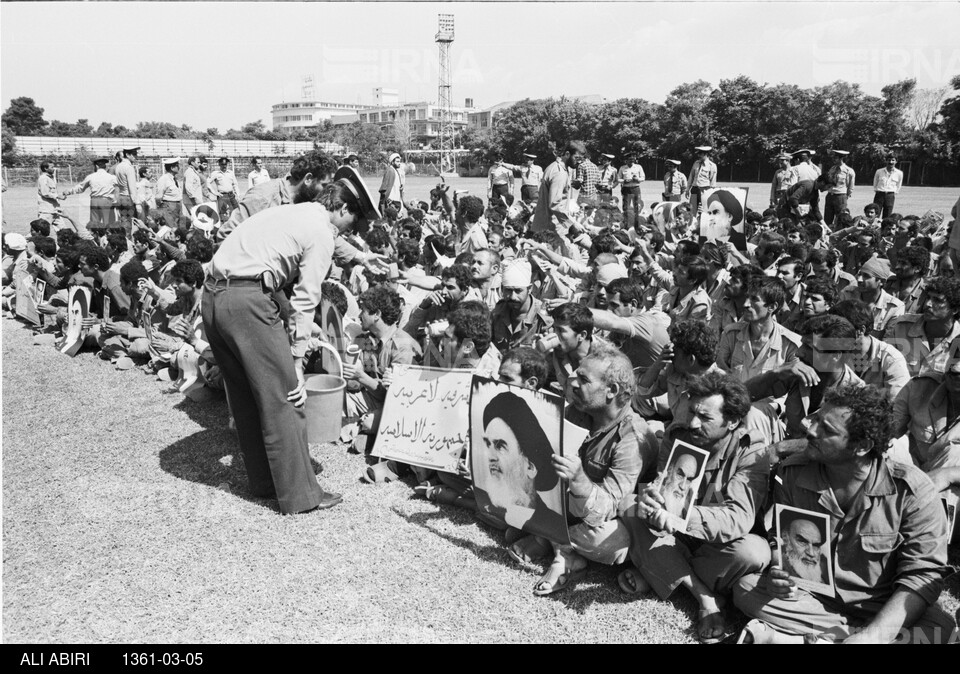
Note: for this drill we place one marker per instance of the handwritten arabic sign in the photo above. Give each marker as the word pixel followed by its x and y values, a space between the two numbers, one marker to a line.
pixel 425 418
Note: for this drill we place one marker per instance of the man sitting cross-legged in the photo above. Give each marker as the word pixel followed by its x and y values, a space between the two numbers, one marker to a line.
pixel 716 549
pixel 888 532
pixel 602 475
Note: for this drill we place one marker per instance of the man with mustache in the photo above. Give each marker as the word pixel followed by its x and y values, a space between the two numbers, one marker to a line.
pixel 715 549
pixel 519 317
pixel 890 537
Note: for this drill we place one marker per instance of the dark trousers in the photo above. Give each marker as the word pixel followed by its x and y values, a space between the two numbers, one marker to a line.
pixel 695 202
pixel 500 190
pixel 631 206
pixel 885 201
pixel 101 213
pixel 225 205
pixel 833 206
pixel 249 341
pixel 671 197
pixel 529 192
pixel 126 212
pixel 170 213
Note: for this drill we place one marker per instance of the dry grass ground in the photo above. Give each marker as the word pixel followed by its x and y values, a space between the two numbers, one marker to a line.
pixel 117 528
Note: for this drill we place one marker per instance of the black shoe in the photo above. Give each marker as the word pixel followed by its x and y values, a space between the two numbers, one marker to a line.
pixel 329 500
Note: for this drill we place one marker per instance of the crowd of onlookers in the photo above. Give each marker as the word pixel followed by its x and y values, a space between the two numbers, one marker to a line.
pixel 816 362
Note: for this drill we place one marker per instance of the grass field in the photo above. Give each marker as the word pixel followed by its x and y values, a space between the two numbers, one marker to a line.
pixel 20 202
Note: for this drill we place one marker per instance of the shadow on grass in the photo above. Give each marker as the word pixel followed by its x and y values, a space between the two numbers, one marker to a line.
pixel 492 553
pixel 212 457
pixel 212 413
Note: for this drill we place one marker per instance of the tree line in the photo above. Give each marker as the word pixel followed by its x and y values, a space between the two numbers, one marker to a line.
pixel 747 123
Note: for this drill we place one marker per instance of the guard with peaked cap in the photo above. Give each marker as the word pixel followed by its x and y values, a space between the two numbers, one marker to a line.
pixel 169 194
pixel 608 178
pixel 703 176
pixel 674 182
pixel 783 178
pixel 839 180
pixel 102 185
pixel 530 177
pixel 260 347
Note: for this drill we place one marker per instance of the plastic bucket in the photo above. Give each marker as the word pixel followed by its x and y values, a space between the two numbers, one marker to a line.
pixel 324 408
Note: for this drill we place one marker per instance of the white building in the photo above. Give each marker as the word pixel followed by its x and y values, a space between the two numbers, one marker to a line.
pixel 305 114
pixel 423 117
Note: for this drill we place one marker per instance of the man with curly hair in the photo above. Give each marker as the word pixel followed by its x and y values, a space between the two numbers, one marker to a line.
pixel 908 284
pixel 690 353
pixel 382 344
pixel 926 340
pixel 888 532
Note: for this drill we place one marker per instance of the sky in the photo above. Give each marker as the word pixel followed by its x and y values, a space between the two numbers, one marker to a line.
pixel 224 64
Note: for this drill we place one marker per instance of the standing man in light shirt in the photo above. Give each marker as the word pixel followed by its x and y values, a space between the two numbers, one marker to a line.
pixel 500 180
pixel 608 178
pixel 101 185
pixel 262 363
pixel 783 178
pixel 48 196
pixel 391 189
pixel 804 169
pixel 128 199
pixel 703 176
pixel 258 175
pixel 887 182
pixel 630 176
pixel 531 176
pixel 170 194
pixel 674 182
pixel 193 185
pixel 223 185
pixel 555 190
pixel 839 183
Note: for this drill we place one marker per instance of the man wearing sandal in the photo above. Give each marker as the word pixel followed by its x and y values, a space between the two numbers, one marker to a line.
pixel 602 476
pixel 716 549
pixel 889 536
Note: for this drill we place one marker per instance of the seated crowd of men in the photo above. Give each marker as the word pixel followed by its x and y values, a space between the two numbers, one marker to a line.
pixel 818 367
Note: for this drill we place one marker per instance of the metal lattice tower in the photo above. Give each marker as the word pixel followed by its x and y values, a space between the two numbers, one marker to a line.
pixel 444 38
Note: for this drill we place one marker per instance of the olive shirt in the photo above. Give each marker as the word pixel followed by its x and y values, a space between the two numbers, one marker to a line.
pixel 734 485
pixel 893 536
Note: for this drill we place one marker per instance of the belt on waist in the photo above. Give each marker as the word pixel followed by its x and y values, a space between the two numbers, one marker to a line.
pixel 236 282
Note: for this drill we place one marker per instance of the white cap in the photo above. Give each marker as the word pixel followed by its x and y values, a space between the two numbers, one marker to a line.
pixel 516 274
pixel 171 160
pixel 15 241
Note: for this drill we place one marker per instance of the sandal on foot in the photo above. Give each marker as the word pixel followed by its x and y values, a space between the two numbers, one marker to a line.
pixel 632 583
pixel 528 550
pixel 705 620
pixel 563 581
